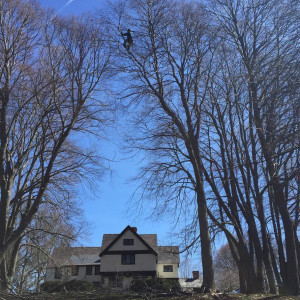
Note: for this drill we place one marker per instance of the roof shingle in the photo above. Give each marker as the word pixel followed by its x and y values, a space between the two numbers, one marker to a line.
pixel 90 255
pixel 168 254
pixel 74 256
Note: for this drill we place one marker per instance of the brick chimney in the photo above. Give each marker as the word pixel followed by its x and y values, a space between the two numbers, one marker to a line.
pixel 195 274
pixel 134 228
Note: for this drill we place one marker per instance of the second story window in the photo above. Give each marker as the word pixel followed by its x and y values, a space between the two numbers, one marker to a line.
pixel 89 270
pixel 128 259
pixel 128 242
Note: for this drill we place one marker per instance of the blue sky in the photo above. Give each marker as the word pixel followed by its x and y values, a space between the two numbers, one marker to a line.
pixel 72 6
pixel 106 210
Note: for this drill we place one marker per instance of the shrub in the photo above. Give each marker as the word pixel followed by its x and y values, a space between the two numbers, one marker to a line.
pixel 51 286
pixel 138 285
pixel 78 285
pixel 157 285
pixel 165 285
pixel 74 285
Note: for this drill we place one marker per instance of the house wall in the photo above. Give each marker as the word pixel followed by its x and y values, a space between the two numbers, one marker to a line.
pixel 126 281
pixel 143 262
pixel 160 271
pixel 118 245
pixel 66 275
pixel 49 276
pixel 82 275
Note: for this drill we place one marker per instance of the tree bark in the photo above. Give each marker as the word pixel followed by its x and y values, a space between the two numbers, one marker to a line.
pixel 293 283
pixel 208 284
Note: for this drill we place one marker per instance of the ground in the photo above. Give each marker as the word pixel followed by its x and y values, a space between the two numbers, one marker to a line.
pixel 115 295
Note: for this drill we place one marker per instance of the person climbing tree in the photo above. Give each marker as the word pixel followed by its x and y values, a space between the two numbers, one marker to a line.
pixel 128 41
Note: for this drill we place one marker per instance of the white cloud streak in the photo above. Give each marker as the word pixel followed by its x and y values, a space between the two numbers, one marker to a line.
pixel 67 4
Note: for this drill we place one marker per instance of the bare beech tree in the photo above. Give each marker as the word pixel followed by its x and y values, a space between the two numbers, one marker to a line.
pixel 53 226
pixel 235 182
pixel 165 71
pixel 50 69
pixel 218 119
pixel 230 157
pixel 264 38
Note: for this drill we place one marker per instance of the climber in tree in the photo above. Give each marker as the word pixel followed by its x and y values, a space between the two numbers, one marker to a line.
pixel 128 41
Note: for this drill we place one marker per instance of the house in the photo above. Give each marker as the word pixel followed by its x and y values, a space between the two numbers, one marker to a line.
pixel 74 263
pixel 122 258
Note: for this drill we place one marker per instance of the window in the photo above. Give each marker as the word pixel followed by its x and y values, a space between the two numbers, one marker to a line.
pixel 119 281
pixel 128 242
pixel 112 281
pixel 89 270
pixel 168 268
pixel 97 270
pixel 57 274
pixel 75 270
pixel 128 259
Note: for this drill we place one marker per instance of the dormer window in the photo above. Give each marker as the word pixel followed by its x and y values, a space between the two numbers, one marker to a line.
pixel 128 242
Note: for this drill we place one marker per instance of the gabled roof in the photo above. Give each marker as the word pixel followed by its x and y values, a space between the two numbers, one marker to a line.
pixel 74 256
pixel 149 240
pixel 168 254
pixel 107 239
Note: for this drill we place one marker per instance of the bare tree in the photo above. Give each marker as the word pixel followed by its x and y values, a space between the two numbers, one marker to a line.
pixel 50 70
pixel 165 71
pixel 218 103
pixel 265 41
pixel 231 170
pixel 53 226
pixel 227 274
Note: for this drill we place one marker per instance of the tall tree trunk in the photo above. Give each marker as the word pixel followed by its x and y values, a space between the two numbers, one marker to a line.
pixel 274 263
pixel 249 283
pixel 266 249
pixel 208 284
pixel 11 261
pixel 253 284
pixel 280 201
pixel 4 281
pixel 278 237
pixel 243 287
pixel 8 266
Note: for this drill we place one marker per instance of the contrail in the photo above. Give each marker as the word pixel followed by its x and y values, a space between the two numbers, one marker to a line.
pixel 68 3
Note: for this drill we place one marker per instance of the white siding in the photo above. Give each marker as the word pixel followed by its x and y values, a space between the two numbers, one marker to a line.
pixel 66 275
pixel 161 274
pixel 82 275
pixel 126 281
pixel 143 262
pixel 137 245
pixel 50 274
